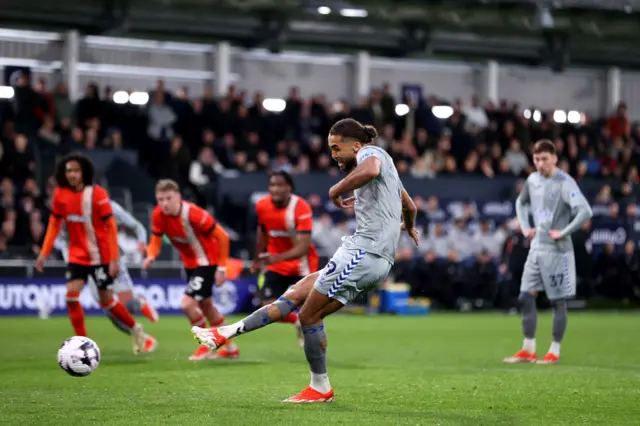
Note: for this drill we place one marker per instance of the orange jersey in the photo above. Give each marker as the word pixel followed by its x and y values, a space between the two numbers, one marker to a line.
pixel 190 232
pixel 281 227
pixel 85 213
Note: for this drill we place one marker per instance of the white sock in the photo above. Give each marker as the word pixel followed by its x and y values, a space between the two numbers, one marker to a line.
pixel 320 382
pixel 555 348
pixel 529 345
pixel 231 330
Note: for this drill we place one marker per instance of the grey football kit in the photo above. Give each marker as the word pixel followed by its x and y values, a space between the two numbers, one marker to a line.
pixel 556 203
pixel 365 258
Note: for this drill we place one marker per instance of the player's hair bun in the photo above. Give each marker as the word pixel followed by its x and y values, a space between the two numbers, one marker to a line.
pixel 371 132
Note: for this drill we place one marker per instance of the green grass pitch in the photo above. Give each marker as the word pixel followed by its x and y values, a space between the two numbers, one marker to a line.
pixel 438 370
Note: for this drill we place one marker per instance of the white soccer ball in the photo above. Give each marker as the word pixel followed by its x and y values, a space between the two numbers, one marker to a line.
pixel 79 356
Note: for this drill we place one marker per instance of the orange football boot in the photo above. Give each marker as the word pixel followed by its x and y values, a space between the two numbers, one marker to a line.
pixel 311 395
pixel 549 358
pixel 522 356
pixel 201 353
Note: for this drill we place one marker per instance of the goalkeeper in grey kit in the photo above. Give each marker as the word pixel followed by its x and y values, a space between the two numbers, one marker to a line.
pixel 558 208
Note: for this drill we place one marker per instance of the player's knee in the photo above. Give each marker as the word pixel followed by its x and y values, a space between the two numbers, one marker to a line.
pixel 559 305
pixel 187 304
pixel 527 301
pixel 526 295
pixel 307 317
pixel 75 285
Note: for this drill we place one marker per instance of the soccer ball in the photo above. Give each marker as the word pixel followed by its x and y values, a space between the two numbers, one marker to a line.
pixel 79 356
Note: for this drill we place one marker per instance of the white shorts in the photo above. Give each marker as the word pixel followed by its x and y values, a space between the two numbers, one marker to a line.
pixel 350 272
pixel 551 272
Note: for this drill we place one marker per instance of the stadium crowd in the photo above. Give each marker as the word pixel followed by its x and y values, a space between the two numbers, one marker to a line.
pixel 464 258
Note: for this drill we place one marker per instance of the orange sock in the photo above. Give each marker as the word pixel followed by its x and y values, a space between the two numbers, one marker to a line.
pixel 120 312
pixel 198 322
pixel 76 313
pixel 146 310
pixel 291 318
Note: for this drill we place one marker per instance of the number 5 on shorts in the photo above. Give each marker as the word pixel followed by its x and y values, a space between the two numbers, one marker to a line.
pixel 196 283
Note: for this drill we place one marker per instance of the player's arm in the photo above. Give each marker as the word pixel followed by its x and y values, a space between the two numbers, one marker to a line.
pixel 522 202
pixel 302 242
pixel 262 239
pixel 102 204
pixel 127 219
pixel 203 222
pixel 367 170
pixel 155 243
pixel 572 195
pixel 53 229
pixel 409 210
pixel 224 245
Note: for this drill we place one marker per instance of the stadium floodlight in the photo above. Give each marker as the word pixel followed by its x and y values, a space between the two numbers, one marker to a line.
pixel 402 109
pixel 121 97
pixel 442 111
pixel 559 116
pixel 537 116
pixel 573 117
pixel 324 10
pixel 274 104
pixel 6 92
pixel 139 98
pixel 353 13
pixel 527 114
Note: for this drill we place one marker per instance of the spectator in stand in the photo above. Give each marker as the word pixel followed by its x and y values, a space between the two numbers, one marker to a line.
pixel 618 124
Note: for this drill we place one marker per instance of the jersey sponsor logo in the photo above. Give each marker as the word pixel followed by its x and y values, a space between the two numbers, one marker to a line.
pixel 75 218
pixel 282 234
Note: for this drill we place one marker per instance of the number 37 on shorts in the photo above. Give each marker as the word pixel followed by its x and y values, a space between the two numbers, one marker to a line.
pixel 553 273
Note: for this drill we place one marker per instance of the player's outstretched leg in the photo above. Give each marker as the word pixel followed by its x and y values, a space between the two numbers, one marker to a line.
pixel 529 325
pixel 560 318
pixel 274 312
pixel 315 309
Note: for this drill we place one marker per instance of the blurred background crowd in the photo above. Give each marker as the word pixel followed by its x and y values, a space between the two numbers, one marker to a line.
pixel 215 113
pixel 467 257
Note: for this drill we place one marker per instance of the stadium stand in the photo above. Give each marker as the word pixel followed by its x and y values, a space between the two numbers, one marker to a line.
pixel 471 250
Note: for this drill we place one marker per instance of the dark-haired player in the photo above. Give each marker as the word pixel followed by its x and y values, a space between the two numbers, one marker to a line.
pixel 283 242
pixel 93 242
pixel 559 208
pixel 382 208
pixel 204 248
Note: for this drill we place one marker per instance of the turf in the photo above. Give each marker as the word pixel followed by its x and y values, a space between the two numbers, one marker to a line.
pixel 437 370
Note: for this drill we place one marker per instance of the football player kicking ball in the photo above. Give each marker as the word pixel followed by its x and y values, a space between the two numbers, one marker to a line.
pixel 361 263
pixel 204 248
pixel 123 284
pixel 85 210
pixel 554 198
pixel 283 242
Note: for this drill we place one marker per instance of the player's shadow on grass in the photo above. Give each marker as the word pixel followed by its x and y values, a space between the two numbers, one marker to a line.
pixel 423 417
